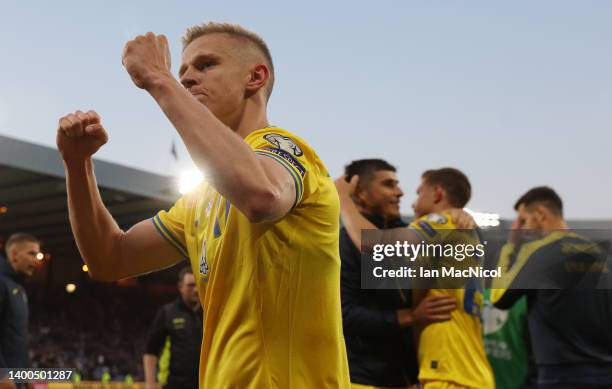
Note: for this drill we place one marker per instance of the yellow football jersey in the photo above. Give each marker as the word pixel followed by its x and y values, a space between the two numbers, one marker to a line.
pixel 270 291
pixel 453 351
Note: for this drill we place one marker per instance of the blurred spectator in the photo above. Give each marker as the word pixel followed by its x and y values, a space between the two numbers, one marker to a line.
pixel 21 253
pixel 175 338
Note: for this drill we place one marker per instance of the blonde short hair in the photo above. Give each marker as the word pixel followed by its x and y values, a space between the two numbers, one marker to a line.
pixel 235 31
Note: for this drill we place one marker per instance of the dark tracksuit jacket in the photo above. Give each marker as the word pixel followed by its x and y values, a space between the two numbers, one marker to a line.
pixel 13 318
pixel 176 337
pixel 379 351
pixel 570 322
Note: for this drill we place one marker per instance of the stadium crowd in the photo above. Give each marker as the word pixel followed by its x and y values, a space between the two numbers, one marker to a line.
pixel 95 335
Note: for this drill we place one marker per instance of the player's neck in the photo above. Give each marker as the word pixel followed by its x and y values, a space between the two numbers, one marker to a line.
pixel 441 207
pixel 190 305
pixel 11 264
pixel 555 225
pixel 253 117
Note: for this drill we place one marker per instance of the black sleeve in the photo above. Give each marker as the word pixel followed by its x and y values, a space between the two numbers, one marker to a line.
pixel 528 267
pixel 509 297
pixel 157 333
pixel 357 318
pixel 506 292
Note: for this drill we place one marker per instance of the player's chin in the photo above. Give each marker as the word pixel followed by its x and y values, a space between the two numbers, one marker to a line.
pixel 393 211
pixel 202 98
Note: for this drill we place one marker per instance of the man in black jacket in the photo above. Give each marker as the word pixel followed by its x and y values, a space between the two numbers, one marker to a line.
pixel 21 251
pixel 176 335
pixel 377 323
pixel 569 318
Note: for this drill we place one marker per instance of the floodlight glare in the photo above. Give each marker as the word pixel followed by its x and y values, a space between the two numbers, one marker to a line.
pixel 190 180
pixel 484 219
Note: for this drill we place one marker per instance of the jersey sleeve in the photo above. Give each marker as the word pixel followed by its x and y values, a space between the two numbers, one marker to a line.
pixel 433 228
pixel 293 154
pixel 171 225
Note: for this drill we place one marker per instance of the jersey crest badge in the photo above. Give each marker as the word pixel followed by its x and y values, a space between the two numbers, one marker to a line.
pixel 437 218
pixel 284 143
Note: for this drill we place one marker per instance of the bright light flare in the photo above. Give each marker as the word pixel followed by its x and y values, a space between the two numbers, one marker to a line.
pixel 40 256
pixel 484 219
pixel 70 288
pixel 190 180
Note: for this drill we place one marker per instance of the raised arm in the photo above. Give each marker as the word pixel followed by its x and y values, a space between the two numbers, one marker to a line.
pixel 355 222
pixel 259 187
pixel 504 293
pixel 352 219
pixel 109 252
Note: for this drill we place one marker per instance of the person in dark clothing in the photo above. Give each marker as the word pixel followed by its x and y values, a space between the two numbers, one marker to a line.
pixel 175 338
pixel 377 323
pixel 21 251
pixel 569 324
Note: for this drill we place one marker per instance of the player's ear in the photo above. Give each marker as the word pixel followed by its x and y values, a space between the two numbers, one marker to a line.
pixel 12 251
pixel 258 78
pixel 359 195
pixel 540 213
pixel 438 193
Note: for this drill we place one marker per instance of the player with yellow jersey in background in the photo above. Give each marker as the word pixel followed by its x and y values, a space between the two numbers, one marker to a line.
pixel 451 353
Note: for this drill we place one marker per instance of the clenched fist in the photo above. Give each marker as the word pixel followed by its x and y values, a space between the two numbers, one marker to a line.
pixel 147 58
pixel 80 135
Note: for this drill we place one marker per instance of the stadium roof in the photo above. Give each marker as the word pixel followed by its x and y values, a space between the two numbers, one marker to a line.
pixel 33 194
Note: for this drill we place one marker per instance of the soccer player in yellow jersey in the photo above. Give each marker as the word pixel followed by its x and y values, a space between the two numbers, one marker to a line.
pixel 261 234
pixel 451 353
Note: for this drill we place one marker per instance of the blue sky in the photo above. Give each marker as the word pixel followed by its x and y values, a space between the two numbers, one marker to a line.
pixel 516 94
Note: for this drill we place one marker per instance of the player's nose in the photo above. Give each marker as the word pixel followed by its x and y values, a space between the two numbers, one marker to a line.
pixel 188 80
